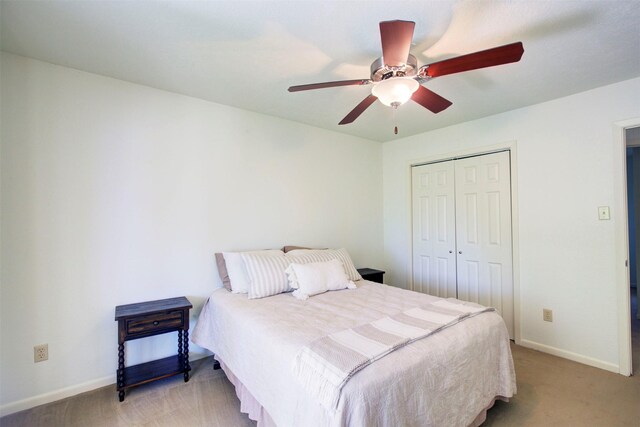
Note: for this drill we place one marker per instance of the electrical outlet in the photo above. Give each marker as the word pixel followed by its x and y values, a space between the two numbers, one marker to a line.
pixel 547 315
pixel 603 213
pixel 40 353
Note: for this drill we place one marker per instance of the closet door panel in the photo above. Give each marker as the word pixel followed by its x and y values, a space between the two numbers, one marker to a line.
pixel 469 287
pixel 434 261
pixel 483 229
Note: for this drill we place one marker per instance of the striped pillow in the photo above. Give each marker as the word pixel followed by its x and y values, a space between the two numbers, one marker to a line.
pixel 303 256
pixel 237 271
pixel 266 274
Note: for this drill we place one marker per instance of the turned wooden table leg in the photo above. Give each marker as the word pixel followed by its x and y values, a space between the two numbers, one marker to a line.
pixel 121 372
pixel 185 355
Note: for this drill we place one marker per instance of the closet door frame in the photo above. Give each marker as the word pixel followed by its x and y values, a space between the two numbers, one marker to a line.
pixel 510 146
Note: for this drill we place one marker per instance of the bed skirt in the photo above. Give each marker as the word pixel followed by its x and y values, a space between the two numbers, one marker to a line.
pixel 256 412
pixel 248 404
pixel 482 416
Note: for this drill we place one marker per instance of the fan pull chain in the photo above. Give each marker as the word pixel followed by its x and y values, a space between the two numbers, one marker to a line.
pixel 395 128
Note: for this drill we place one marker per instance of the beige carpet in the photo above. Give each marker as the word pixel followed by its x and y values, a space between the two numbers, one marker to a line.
pixel 557 392
pixel 208 399
pixel 551 392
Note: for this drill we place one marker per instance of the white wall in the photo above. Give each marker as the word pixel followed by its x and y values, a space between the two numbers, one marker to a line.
pixel 115 193
pixel 565 158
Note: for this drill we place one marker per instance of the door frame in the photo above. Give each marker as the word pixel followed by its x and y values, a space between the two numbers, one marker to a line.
pixel 620 216
pixel 510 146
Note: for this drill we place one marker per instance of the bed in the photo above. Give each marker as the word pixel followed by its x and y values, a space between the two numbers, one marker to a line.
pixel 449 378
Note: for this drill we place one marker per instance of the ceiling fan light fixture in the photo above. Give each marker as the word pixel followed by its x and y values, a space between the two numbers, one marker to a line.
pixel 396 78
pixel 395 91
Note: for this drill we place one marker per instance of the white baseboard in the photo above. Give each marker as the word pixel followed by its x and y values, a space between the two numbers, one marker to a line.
pixel 52 396
pixel 63 393
pixel 596 363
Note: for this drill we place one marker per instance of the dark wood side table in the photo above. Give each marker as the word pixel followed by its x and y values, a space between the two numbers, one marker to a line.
pixel 146 319
pixel 371 274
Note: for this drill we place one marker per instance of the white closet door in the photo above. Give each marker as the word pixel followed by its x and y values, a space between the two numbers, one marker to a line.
pixel 483 230
pixel 434 257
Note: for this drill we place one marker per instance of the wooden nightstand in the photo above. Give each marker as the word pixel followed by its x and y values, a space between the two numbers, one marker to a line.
pixel 371 274
pixel 146 319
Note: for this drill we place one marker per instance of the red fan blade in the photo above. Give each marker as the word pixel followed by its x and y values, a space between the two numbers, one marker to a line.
pixel 349 118
pixel 329 84
pixel 486 58
pixel 396 39
pixel 430 100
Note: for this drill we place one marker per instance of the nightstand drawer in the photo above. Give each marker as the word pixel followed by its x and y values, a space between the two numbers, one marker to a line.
pixel 154 323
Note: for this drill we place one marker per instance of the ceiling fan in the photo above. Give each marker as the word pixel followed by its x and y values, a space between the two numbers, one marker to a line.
pixel 396 77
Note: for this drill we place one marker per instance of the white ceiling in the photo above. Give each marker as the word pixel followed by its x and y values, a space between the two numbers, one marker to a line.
pixel 246 53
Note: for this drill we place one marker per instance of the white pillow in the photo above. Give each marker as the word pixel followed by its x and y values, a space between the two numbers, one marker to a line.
pixel 313 283
pixel 321 255
pixel 266 274
pixel 237 270
pixel 318 277
pixel 309 259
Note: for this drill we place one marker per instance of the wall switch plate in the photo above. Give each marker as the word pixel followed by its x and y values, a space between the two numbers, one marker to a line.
pixel 40 353
pixel 603 213
pixel 547 315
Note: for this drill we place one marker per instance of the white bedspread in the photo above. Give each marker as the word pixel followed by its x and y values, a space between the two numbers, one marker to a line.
pixel 443 380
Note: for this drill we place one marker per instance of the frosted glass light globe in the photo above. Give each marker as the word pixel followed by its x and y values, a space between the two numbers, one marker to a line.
pixel 395 91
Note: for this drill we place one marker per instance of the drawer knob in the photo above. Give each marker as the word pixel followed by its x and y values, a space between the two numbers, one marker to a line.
pixel 156 323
